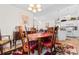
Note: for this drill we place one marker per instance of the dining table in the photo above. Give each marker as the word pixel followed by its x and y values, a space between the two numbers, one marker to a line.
pixel 35 36
pixel 38 36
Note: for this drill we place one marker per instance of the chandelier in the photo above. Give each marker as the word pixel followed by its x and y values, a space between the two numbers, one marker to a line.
pixel 35 8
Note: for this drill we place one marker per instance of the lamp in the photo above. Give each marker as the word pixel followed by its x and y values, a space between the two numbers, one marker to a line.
pixel 34 8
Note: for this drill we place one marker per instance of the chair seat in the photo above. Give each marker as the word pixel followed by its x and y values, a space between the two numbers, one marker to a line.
pixel 47 44
pixel 33 45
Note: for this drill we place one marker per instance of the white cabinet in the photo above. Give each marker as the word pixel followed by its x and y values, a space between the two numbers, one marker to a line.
pixel 69 29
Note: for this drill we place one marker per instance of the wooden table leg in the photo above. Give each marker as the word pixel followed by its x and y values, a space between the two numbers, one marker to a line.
pixel 39 47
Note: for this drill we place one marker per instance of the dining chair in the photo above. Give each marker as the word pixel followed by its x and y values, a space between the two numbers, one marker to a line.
pixel 33 46
pixel 51 42
pixel 48 41
pixel 18 35
pixel 2 38
pixel 56 40
pixel 33 30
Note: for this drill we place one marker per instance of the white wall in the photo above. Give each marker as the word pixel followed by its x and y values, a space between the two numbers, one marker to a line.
pixel 10 17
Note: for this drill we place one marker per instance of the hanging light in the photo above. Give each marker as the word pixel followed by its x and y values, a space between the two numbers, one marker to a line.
pixel 31 5
pixel 39 9
pixel 30 8
pixel 38 6
pixel 35 8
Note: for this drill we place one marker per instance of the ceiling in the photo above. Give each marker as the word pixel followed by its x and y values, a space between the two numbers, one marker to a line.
pixel 46 8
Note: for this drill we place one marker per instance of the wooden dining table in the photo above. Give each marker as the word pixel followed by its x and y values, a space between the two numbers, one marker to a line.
pixel 35 36
pixel 38 36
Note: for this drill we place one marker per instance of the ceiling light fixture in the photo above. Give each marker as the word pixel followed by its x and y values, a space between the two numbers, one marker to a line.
pixel 34 8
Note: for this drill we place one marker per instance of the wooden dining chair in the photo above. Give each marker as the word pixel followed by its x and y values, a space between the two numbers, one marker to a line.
pixel 51 42
pixel 33 30
pixel 19 34
pixel 48 41
pixel 16 37
pixel 56 40
pixel 56 36
pixel 32 44
pixel 2 37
